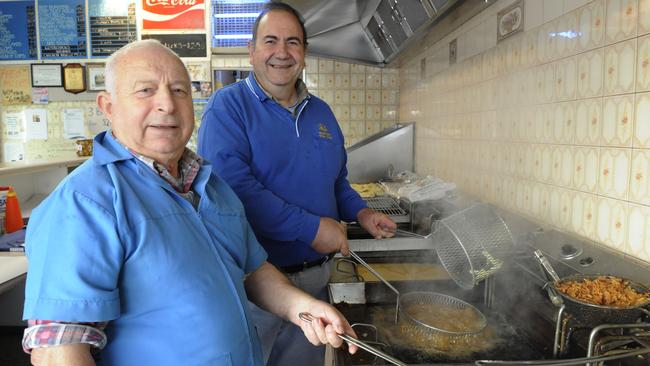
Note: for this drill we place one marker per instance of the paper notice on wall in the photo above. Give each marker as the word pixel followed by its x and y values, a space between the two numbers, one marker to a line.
pixel 13 152
pixel 14 84
pixel 14 122
pixel 40 95
pixel 73 123
pixel 36 122
pixel 97 122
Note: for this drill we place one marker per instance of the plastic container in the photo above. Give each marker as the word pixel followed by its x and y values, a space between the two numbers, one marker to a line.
pixel 13 215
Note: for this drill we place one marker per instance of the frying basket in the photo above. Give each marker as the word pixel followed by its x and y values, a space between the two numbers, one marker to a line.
pixel 433 299
pixel 472 244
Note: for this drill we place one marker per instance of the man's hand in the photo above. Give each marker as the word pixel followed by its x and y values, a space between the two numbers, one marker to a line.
pixel 272 291
pixel 331 237
pixel 326 323
pixel 376 223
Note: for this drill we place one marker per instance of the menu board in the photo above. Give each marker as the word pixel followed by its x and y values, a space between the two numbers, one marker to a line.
pixel 62 28
pixel 111 27
pixel 17 30
pixel 185 45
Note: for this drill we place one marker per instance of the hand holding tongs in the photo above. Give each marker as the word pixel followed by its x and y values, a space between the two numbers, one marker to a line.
pixel 551 276
pixel 363 345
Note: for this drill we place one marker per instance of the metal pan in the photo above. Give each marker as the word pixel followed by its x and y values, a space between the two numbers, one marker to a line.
pixel 590 314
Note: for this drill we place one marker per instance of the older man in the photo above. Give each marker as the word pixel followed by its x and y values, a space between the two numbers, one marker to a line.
pixel 282 152
pixel 143 250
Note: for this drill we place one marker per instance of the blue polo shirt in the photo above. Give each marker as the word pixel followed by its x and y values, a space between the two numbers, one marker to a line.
pixel 289 169
pixel 115 242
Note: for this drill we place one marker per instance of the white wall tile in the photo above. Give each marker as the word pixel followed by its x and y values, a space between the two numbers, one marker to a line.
pixel 552 9
pixel 620 20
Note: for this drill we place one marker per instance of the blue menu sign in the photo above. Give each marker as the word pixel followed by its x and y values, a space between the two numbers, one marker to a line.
pixel 65 37
pixel 111 26
pixel 17 30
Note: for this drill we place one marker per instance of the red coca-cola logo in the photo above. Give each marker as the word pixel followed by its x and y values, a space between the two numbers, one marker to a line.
pixel 173 14
pixel 170 2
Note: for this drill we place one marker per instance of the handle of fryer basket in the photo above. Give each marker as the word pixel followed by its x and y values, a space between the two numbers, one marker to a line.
pixel 306 317
pixel 372 270
pixel 548 270
pixel 566 362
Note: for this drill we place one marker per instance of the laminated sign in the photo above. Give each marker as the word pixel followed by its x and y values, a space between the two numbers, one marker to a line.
pixel 173 14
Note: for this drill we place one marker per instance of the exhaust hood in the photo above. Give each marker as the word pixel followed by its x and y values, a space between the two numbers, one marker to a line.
pixel 369 31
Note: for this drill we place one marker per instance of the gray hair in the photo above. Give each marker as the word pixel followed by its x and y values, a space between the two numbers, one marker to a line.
pixel 111 63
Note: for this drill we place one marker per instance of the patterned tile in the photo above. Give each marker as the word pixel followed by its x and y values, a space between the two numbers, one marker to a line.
pixel 642 126
pixel 590 74
pixel 618 120
pixel 644 17
pixel 589 121
pixel 621 20
pixel 614 179
pixel 612 223
pixel 640 177
pixel 639 232
pixel 643 64
pixel 620 59
pixel 591 25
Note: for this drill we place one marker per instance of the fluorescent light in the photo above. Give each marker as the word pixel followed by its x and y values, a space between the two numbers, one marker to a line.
pixel 233 36
pixel 237 15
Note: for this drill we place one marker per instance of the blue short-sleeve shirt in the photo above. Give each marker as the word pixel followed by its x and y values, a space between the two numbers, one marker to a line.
pixel 115 242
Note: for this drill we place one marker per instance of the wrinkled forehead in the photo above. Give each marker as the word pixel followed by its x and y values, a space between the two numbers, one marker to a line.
pixel 279 21
pixel 151 60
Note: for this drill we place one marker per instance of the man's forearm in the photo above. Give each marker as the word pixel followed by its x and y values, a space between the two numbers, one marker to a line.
pixel 63 355
pixel 269 289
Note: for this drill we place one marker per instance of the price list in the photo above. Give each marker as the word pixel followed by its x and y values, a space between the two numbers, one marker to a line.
pixel 185 45
pixel 111 27
pixel 17 30
pixel 65 37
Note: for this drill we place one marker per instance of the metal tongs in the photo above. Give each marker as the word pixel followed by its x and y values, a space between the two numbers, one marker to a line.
pixel 307 317
pixel 410 233
pixel 551 277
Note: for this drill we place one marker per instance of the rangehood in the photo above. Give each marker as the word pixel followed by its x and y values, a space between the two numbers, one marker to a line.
pixel 371 31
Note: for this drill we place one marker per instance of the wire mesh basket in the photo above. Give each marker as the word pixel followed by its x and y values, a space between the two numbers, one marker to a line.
pixel 472 244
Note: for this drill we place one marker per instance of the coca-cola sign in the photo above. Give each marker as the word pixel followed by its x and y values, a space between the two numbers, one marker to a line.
pixel 173 14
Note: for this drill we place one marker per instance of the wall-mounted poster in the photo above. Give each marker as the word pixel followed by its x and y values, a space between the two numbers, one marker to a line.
pixel 65 37
pixel 510 20
pixel 74 78
pixel 47 75
pixel 112 25
pixel 14 85
pixel 185 45
pixel 17 30
pixel 171 14
pixel 96 79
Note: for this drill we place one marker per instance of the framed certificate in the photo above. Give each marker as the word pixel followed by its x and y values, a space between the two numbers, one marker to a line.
pixel 74 78
pixel 47 75
pixel 95 74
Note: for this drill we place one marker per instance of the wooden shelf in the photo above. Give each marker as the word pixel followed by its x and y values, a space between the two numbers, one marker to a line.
pixel 40 165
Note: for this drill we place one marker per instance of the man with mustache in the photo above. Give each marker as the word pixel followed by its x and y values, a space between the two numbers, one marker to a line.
pixel 142 252
pixel 282 151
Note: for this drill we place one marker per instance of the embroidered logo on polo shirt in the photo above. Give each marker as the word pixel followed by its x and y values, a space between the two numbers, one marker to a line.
pixel 323 132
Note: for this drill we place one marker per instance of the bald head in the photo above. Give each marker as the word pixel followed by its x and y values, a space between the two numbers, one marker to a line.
pixel 117 58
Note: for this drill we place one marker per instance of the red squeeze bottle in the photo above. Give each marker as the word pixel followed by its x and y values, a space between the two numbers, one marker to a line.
pixel 13 216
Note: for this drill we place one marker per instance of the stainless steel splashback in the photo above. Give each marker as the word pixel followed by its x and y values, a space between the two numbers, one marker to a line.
pixel 392 149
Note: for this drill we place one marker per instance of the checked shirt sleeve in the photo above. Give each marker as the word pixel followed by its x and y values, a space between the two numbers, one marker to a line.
pixel 46 333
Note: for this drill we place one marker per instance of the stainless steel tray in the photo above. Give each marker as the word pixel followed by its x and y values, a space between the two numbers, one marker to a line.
pixel 389 206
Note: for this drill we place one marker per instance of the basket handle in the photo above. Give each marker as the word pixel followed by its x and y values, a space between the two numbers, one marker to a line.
pixel 550 274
